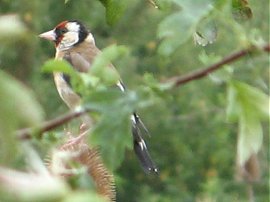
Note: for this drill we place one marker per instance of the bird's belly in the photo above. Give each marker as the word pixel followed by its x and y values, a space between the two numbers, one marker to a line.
pixel 66 93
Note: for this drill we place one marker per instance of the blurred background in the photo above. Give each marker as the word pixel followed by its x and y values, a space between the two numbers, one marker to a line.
pixel 191 140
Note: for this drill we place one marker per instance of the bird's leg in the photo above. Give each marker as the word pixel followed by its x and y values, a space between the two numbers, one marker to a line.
pixel 78 139
pixel 87 123
pixel 83 127
pixel 83 130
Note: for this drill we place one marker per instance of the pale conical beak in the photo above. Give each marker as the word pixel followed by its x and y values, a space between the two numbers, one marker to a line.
pixel 50 35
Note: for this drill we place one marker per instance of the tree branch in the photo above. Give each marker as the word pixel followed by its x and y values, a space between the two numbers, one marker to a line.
pixel 198 74
pixel 25 134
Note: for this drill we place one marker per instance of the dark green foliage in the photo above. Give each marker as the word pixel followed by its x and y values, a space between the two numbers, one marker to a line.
pixel 199 131
pixel 114 10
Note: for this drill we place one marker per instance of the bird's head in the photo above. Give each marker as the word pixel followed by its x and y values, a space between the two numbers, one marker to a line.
pixel 68 34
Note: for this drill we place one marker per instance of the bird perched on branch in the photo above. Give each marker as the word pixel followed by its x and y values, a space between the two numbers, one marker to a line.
pixel 75 44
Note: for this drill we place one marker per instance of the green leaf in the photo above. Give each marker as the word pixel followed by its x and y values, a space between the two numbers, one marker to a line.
pixel 113 129
pixel 248 106
pixel 53 65
pixel 11 27
pixel 241 95
pixel 155 85
pixel 18 108
pixel 177 28
pixel 250 137
pixel 114 10
pixel 241 10
pixel 256 99
pixel 102 67
pixel 63 66
pixel 174 30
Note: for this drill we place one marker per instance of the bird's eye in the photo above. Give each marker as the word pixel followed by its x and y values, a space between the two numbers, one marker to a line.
pixel 63 31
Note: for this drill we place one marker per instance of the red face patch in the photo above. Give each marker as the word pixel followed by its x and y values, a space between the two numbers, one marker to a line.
pixel 60 29
pixel 61 25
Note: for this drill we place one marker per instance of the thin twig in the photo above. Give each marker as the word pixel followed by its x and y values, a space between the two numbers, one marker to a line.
pixel 180 80
pixel 26 133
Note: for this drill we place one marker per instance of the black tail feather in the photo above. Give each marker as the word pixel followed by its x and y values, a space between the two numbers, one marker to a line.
pixel 140 147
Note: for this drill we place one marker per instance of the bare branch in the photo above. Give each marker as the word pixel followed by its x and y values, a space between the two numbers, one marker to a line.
pixel 25 133
pixel 180 80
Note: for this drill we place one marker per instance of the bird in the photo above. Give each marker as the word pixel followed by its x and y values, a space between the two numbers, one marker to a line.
pixel 76 44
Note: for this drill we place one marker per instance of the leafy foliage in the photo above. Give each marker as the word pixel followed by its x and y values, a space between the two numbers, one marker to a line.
pixel 191 140
pixel 177 28
pixel 114 10
pixel 18 101
pixel 100 66
pixel 112 132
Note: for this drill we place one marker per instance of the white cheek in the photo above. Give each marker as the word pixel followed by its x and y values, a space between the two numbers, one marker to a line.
pixel 73 27
pixel 69 40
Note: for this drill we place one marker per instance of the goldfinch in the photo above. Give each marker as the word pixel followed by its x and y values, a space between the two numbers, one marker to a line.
pixel 75 44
